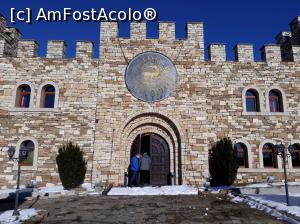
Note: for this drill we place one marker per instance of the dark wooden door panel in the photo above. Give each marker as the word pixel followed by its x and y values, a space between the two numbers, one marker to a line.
pixel 160 161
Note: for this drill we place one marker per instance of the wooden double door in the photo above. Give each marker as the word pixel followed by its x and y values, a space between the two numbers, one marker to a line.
pixel 158 150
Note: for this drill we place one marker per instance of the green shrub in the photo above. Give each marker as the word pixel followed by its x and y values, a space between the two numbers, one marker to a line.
pixel 223 163
pixel 71 165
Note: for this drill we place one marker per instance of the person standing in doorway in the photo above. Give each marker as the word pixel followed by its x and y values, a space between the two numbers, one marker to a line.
pixel 134 170
pixel 145 168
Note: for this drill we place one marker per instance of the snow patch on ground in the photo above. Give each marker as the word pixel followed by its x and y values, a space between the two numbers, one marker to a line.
pixel 55 189
pixel 257 185
pixel 270 185
pixel 60 189
pixel 217 189
pixel 88 187
pixel 295 195
pixel 269 207
pixel 252 204
pixel 50 190
pixel 5 193
pixel 164 190
pixel 293 210
pixel 25 214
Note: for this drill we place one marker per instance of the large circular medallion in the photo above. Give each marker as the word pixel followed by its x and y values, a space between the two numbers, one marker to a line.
pixel 151 77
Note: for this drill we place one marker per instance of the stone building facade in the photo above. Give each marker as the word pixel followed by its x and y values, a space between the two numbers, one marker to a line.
pixel 93 107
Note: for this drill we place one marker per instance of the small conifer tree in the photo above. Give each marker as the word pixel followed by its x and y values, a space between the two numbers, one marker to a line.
pixel 223 163
pixel 71 165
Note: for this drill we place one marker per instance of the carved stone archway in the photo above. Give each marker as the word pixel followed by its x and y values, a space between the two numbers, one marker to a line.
pixel 149 123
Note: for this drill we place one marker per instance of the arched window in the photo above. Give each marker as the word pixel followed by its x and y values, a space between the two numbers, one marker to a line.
pixel 23 96
pixel 242 155
pixel 252 101
pixel 28 145
pixel 275 101
pixel 48 96
pixel 269 156
pixel 296 156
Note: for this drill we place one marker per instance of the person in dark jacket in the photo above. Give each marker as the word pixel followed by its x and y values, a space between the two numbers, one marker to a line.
pixel 134 170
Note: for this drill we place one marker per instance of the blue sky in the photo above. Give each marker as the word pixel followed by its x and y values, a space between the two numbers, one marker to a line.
pixel 230 21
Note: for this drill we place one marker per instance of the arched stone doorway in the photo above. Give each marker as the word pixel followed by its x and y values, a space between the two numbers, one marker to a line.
pixel 153 123
pixel 154 150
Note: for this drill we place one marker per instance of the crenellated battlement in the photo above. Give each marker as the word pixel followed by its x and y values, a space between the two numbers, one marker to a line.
pixel 2 23
pixel 56 49
pixel 191 48
pixel 84 49
pixel 217 52
pixel 11 45
pixel 166 30
pixel 244 53
pixel 138 30
pixel 27 48
pixel 112 44
pixel 271 53
pixel 9 37
pixel 289 41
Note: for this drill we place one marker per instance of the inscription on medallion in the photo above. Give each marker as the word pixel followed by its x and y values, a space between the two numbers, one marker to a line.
pixel 151 77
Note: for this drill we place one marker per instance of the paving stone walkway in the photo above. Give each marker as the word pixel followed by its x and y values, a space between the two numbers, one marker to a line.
pixel 206 208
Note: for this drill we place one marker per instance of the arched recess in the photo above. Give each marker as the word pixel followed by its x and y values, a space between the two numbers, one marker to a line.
pixel 290 164
pixel 260 98
pixel 261 158
pixel 39 94
pixel 35 155
pixel 149 123
pixel 15 95
pixel 282 99
pixel 249 151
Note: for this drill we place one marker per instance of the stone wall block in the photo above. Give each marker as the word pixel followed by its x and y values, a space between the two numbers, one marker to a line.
pixel 108 30
pixel 271 53
pixel 27 48
pixel 217 52
pixel 84 49
pixel 166 31
pixel 138 30
pixel 195 40
pixel 56 49
pixel 296 53
pixel 2 47
pixel 2 23
pixel 244 53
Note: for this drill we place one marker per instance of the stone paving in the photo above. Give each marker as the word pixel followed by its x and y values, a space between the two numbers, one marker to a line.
pixel 205 208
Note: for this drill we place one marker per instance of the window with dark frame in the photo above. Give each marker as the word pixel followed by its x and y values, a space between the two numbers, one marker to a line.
pixel 275 101
pixel 269 156
pixel 252 101
pixel 242 155
pixel 296 156
pixel 48 96
pixel 23 96
pixel 28 145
